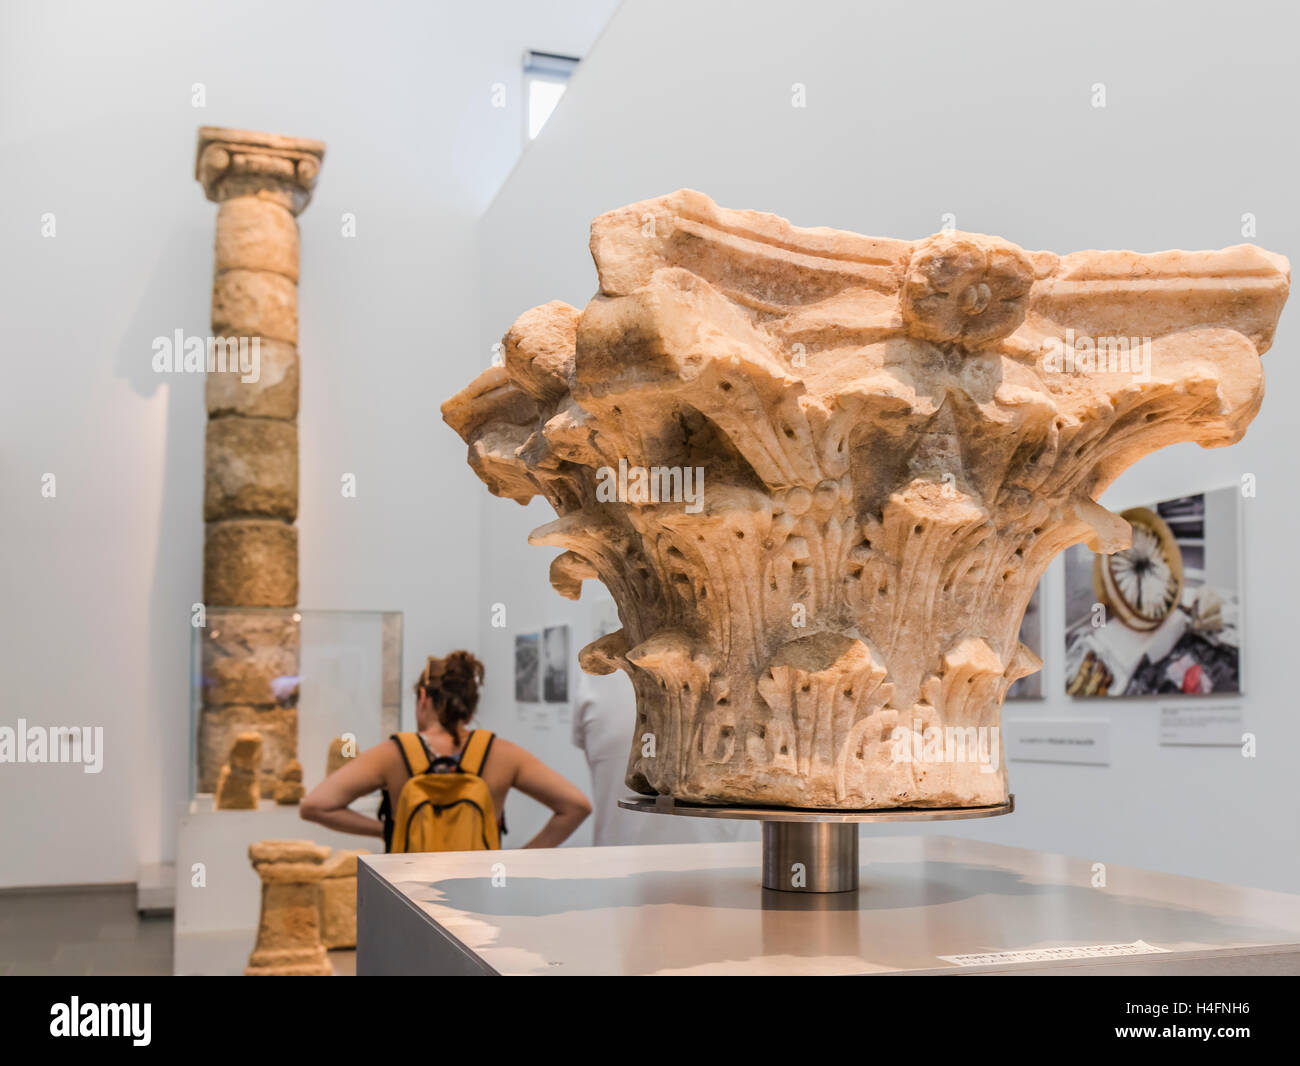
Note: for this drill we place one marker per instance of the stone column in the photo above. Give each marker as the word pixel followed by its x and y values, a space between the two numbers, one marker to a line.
pixel 289 931
pixel 250 497
pixel 250 557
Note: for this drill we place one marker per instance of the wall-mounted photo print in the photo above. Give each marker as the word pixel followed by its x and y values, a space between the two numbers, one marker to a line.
pixel 527 675
pixel 1162 617
pixel 555 664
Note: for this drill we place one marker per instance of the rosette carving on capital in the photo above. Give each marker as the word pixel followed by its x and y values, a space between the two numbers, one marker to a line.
pixel 965 289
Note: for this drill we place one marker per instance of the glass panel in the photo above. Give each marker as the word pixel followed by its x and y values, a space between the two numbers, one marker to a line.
pixel 543 95
pixel 299 678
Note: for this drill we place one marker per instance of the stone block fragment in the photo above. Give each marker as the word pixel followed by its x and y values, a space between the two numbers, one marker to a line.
pixel 289 930
pixel 288 786
pixel 238 788
pixel 338 901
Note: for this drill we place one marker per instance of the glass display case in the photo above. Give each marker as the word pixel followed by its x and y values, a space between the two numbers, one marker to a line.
pixel 303 680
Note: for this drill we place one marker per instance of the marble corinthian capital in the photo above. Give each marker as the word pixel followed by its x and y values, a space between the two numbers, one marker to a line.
pixel 821 475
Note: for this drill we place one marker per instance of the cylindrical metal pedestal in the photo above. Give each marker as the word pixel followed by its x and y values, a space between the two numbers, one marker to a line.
pixel 811 849
pixel 810 856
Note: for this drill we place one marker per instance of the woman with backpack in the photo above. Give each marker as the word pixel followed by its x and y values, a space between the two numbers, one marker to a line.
pixel 445 786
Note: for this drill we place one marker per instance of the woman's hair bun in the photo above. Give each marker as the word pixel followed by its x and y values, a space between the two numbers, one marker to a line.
pixel 452 685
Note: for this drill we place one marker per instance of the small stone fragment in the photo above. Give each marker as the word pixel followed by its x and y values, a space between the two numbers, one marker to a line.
pixel 288 789
pixel 219 726
pixel 238 787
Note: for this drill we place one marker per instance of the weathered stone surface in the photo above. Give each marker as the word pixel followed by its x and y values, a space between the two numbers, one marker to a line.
pixel 338 901
pixel 288 786
pixel 251 468
pixel 237 784
pixel 289 930
pixel 282 853
pixel 255 303
pixel 274 393
pixel 886 442
pixel 244 651
pixel 256 234
pixel 218 728
pixel 250 563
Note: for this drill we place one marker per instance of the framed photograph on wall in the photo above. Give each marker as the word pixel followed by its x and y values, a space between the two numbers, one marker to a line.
pixel 527 674
pixel 555 664
pixel 1163 617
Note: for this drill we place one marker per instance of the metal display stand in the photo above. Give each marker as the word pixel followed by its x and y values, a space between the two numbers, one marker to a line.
pixel 807 850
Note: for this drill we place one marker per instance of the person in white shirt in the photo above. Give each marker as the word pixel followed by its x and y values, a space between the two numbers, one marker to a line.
pixel 604 715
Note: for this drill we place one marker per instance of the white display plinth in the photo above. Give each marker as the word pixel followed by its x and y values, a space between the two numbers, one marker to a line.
pixel 926 905
pixel 216 923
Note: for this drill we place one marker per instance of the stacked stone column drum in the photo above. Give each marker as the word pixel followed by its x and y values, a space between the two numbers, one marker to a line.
pixel 250 501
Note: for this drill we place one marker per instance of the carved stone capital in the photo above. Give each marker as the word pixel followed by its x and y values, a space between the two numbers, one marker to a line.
pixel 821 475
pixel 234 163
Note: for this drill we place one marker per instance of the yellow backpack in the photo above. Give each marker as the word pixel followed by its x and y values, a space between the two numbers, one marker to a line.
pixel 445 806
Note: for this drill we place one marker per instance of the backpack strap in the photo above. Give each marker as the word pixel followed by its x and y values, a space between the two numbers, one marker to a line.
pixel 476 752
pixel 413 753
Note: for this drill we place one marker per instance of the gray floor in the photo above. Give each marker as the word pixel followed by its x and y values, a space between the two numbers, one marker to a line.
pixel 91 932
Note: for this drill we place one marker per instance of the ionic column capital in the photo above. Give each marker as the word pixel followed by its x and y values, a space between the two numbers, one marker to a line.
pixel 234 163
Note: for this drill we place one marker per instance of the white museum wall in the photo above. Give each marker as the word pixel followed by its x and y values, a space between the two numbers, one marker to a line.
pixel 985 113
pixel 98 129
